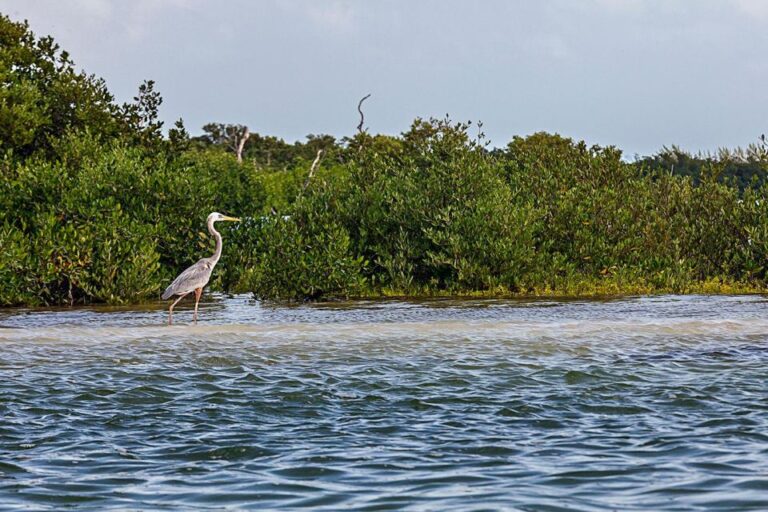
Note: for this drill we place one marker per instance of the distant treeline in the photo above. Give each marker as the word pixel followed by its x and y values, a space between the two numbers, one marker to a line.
pixel 97 204
pixel 740 167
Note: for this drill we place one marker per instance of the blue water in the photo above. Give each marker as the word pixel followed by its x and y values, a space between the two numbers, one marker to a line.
pixel 633 404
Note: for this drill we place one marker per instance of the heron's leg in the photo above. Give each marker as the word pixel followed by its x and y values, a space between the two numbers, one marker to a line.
pixel 198 293
pixel 170 310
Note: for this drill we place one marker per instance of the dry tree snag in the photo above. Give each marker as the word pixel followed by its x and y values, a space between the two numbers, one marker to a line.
pixel 312 170
pixel 230 136
pixel 240 139
pixel 362 117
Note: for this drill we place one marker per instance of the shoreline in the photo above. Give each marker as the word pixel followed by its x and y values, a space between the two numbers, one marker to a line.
pixel 586 291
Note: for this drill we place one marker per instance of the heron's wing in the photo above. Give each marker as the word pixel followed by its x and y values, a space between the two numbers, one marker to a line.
pixel 194 277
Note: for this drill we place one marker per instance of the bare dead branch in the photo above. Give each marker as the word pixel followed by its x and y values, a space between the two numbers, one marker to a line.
pixel 359 109
pixel 242 138
pixel 312 170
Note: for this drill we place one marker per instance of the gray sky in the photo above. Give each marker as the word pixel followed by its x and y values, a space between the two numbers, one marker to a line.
pixel 638 74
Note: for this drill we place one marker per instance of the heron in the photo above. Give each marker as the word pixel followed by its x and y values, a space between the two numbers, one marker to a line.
pixel 197 276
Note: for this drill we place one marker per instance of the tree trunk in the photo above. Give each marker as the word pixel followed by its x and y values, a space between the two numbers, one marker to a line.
pixel 312 171
pixel 242 138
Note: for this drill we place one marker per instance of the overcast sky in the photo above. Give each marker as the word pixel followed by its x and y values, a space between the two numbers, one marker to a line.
pixel 636 74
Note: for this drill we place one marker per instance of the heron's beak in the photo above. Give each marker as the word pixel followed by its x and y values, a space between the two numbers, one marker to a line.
pixel 231 219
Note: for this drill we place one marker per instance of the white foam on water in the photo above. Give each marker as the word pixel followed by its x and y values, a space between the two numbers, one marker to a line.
pixel 486 329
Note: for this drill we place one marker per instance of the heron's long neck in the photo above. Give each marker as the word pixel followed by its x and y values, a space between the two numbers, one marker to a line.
pixel 217 236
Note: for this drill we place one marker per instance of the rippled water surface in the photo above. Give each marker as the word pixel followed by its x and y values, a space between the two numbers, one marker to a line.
pixel 641 403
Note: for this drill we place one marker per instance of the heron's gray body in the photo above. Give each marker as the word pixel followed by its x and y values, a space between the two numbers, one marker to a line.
pixel 196 276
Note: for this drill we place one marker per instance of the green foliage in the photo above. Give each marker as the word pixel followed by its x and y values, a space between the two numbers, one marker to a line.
pixel 42 95
pixel 436 212
pixel 429 212
pixel 305 255
pixel 606 219
pixel 141 116
pixel 292 260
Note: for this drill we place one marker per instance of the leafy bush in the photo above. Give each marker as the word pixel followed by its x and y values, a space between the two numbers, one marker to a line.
pixel 304 256
pixel 437 213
